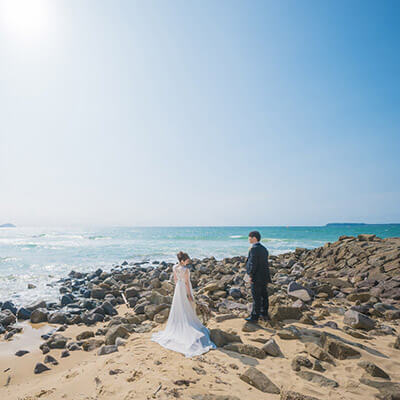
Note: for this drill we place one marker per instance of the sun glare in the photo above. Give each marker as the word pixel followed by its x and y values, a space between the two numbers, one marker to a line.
pixel 25 18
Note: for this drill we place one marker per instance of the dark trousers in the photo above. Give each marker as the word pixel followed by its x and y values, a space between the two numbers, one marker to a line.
pixel 260 299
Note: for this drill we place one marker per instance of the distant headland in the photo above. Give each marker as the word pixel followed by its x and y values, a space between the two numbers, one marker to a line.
pixel 7 226
pixel 345 223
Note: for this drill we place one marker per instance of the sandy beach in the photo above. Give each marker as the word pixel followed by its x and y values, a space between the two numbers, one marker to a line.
pixel 144 370
pixel 334 341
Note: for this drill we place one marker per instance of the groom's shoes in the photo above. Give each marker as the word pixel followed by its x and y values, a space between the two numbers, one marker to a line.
pixel 251 319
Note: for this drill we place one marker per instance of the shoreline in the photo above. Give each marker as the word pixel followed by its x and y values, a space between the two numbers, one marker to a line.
pixel 313 292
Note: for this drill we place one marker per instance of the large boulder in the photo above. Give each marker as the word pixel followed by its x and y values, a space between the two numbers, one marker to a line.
pixel 357 320
pixel 256 378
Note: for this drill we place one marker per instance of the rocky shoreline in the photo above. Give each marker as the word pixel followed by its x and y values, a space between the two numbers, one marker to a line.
pixel 336 299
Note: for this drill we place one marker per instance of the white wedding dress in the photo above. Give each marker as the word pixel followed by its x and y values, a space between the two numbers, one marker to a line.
pixel 184 331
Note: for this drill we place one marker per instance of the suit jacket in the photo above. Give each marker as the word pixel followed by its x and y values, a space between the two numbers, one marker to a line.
pixel 257 264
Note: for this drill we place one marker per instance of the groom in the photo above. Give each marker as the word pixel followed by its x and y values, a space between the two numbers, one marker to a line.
pixel 258 270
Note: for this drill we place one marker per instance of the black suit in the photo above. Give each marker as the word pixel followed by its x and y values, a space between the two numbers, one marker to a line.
pixel 258 269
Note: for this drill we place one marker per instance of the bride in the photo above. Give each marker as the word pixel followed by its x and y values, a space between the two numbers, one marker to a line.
pixel 184 331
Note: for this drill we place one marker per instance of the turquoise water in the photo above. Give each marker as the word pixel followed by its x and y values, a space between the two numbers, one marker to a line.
pixel 43 255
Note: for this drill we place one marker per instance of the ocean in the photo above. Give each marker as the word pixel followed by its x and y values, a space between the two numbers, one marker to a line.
pixel 41 255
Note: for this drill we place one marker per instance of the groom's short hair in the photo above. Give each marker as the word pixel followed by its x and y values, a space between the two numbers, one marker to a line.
pixel 255 234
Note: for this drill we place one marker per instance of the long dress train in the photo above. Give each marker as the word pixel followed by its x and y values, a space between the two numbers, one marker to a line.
pixel 184 331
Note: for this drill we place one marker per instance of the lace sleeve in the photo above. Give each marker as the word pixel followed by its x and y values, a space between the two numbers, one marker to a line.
pixel 187 277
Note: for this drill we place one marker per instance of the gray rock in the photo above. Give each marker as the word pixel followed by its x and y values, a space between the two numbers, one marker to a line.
pixel 300 292
pixel 221 338
pixel 272 349
pixel 256 378
pixel 57 317
pixel 21 353
pixel 114 332
pixel 85 335
pixel 338 349
pixel 248 349
pixel 290 395
pixel 300 361
pixel 49 359
pixel 107 349
pixel 358 321
pixel 317 378
pixel 39 368
pixel 39 315
pixel 373 369
pixel 7 318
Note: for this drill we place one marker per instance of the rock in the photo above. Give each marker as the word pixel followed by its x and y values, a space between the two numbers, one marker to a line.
pixel 114 332
pixel 256 378
pixel 211 396
pixel 23 313
pixel 271 348
pixel 21 353
pixel 317 378
pixel 120 342
pixel 289 395
pixel 363 297
pixel 107 349
pixel 300 361
pixel 373 369
pixel 388 390
pixel 396 344
pixel 67 299
pixel 65 353
pixel 250 327
pixel 39 368
pixel 221 338
pixel 57 317
pixel 337 348
pixel 50 360
pixel 9 305
pixel 366 237
pixel 38 304
pixel 85 335
pixel 358 320
pixel 92 344
pixel 307 319
pixel 282 313
pixel 98 293
pixel 7 318
pixel 290 333
pixel 109 309
pixel 300 292
pixel 248 349
pixel 317 352
pixel 39 315
pixel 56 341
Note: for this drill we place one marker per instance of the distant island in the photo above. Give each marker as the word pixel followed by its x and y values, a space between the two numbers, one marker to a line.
pixel 7 226
pixel 345 223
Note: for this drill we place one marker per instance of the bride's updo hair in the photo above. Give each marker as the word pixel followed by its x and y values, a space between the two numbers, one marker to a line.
pixel 182 256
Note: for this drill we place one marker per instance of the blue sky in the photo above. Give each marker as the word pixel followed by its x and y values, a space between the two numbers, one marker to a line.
pixel 199 112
